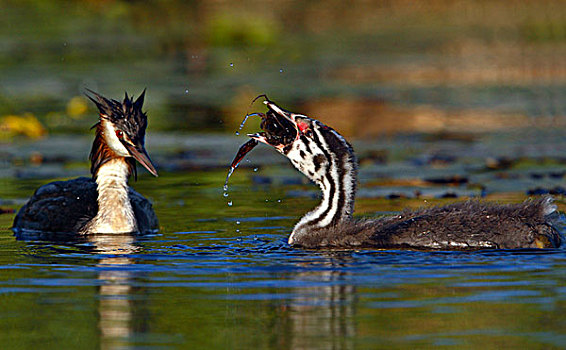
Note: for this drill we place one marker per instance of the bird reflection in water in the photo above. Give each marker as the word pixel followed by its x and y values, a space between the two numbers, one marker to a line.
pixel 116 309
pixel 325 316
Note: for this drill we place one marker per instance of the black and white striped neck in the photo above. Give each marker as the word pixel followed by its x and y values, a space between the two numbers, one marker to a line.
pixel 334 170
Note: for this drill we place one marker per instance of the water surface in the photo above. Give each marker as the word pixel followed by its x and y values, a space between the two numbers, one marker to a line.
pixel 220 276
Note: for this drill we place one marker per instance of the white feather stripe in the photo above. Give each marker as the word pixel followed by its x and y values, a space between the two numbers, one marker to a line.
pixel 349 181
pixel 335 178
pixel 320 163
pixel 112 140
pixel 115 213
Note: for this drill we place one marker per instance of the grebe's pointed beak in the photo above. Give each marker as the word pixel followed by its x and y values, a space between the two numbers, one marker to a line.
pixel 280 111
pixel 263 138
pixel 279 130
pixel 259 136
pixel 139 153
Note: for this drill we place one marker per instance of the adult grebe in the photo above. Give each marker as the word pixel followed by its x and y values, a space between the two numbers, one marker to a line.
pixel 104 203
pixel 327 159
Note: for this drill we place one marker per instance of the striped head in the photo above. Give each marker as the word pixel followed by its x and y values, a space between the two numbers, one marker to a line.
pixel 313 148
pixel 321 154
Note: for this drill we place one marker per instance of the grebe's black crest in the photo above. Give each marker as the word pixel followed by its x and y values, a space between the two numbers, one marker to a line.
pixel 327 159
pixel 128 122
pixel 127 114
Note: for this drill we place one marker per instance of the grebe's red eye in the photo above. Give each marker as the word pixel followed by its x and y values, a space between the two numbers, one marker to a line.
pixel 119 133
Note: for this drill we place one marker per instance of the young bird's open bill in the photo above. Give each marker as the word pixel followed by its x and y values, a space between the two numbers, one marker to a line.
pixel 280 129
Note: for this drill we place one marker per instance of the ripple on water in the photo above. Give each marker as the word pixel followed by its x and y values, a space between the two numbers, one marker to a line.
pixel 256 269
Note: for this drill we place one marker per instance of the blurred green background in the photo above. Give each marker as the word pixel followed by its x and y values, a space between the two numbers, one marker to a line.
pixel 366 67
pixel 441 99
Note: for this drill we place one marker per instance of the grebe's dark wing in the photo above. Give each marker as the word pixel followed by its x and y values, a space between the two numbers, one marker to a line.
pixel 58 207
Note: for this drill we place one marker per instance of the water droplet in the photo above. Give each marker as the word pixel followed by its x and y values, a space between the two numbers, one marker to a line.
pixel 281 70
pixel 225 194
pixel 186 91
pixel 267 200
pixel 230 171
pixel 244 121
pixel 238 230
pixel 231 64
pixel 255 169
pixel 237 133
pixel 279 201
pixel 237 222
pixel 230 203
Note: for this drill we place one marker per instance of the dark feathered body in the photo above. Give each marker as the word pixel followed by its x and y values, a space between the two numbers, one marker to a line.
pixel 465 225
pixel 66 207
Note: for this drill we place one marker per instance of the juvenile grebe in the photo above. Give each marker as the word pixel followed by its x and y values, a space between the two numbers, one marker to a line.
pixel 104 203
pixel 327 159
